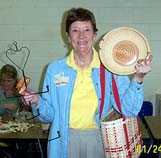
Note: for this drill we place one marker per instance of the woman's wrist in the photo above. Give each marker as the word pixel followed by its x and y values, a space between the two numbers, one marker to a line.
pixel 139 77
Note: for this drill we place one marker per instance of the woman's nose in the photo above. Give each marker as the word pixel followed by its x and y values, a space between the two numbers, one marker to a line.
pixel 81 34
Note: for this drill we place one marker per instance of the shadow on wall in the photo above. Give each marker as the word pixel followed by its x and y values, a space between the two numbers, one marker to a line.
pixel 64 35
pixel 42 78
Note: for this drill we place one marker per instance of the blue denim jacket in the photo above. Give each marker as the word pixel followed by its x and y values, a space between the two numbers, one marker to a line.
pixel 54 106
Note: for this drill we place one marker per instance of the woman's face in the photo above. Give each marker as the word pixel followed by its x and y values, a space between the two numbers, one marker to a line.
pixel 7 83
pixel 81 37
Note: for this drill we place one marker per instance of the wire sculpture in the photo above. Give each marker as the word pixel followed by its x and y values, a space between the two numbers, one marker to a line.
pixel 14 50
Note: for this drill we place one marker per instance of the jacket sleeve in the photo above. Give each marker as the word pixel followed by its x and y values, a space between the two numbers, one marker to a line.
pixel 131 95
pixel 45 108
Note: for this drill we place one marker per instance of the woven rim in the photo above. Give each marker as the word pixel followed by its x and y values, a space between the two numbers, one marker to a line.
pixel 121 48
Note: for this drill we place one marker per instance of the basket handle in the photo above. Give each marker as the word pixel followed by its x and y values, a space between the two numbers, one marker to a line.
pixel 117 100
pixel 114 89
pixel 116 93
pixel 102 82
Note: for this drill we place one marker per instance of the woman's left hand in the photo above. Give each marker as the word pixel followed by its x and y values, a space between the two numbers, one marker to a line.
pixel 142 67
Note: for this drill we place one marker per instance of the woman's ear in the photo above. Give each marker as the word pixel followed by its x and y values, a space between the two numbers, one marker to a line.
pixel 94 37
pixel 69 39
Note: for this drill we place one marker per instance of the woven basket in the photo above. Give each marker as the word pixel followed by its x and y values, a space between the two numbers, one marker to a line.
pixel 117 142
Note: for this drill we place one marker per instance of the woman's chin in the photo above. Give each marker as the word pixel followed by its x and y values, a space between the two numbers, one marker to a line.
pixel 84 51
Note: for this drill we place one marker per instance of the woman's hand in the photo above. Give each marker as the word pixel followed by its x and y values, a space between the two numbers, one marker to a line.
pixel 29 97
pixel 142 68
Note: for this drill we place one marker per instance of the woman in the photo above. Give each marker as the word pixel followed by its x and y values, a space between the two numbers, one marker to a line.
pixel 72 104
pixel 8 80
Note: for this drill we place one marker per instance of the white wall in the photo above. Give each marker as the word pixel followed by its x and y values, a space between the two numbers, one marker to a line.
pixel 36 24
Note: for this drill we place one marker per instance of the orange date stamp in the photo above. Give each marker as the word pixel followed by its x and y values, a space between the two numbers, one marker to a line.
pixel 148 149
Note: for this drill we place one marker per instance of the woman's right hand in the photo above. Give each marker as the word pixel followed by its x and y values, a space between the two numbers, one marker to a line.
pixel 29 97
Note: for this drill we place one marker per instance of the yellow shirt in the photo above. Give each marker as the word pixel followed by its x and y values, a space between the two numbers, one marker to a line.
pixel 84 100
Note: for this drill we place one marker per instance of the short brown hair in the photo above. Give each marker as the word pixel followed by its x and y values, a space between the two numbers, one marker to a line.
pixel 9 71
pixel 80 14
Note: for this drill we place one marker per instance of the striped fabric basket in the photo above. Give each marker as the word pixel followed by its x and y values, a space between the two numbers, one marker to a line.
pixel 121 137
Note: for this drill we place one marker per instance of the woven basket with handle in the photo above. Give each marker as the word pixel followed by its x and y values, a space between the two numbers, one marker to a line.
pixel 121 134
pixel 121 137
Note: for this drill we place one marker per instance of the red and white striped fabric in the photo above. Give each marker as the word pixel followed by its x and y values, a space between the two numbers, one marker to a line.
pixel 121 137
